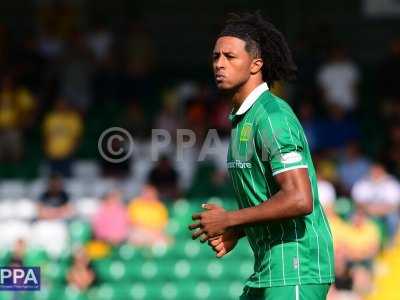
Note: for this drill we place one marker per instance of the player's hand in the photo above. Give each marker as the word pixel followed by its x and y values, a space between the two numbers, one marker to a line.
pixel 211 223
pixel 224 243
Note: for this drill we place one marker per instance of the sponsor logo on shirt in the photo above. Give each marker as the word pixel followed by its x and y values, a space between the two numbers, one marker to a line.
pixel 291 158
pixel 245 133
pixel 239 164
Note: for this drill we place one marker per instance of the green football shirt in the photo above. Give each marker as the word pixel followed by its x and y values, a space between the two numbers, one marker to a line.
pixel 267 139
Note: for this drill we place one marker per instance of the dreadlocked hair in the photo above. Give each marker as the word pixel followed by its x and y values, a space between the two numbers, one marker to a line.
pixel 263 41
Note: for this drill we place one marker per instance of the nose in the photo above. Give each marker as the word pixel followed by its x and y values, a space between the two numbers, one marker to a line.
pixel 219 63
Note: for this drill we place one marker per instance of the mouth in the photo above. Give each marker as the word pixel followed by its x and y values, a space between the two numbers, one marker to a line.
pixel 219 77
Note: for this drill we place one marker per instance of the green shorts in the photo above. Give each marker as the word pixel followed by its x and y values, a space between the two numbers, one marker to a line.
pixel 290 292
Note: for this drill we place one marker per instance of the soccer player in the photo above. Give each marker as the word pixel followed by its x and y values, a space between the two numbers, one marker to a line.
pixel 272 172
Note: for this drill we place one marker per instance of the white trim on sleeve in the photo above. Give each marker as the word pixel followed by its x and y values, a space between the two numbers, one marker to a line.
pixel 290 168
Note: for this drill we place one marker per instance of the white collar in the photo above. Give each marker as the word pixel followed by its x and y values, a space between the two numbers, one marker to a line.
pixel 251 98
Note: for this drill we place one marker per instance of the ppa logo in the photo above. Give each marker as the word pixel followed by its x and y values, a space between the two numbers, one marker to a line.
pixel 19 279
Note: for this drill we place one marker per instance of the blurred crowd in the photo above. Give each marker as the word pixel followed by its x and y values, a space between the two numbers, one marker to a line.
pixel 109 223
pixel 61 85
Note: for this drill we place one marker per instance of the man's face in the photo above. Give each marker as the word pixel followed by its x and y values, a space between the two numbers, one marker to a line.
pixel 56 185
pixel 231 63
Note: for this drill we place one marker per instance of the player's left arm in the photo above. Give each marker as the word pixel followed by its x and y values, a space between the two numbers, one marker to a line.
pixel 294 199
pixel 280 138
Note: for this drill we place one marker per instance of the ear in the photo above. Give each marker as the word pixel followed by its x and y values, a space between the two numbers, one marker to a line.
pixel 256 65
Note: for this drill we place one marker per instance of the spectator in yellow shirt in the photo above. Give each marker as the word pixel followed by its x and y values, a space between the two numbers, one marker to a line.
pixel 17 107
pixel 62 129
pixel 149 217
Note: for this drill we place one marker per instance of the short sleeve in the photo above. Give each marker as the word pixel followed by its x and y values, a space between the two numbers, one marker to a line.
pixel 281 138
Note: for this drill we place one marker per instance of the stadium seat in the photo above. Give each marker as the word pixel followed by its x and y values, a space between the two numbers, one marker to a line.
pixel 7 209
pixel 107 291
pixel 5 256
pixel 26 209
pixel 36 188
pixel 86 207
pixel 149 270
pixel 66 255
pixel 235 289
pixel 204 290
pixel 102 269
pixel 182 269
pixel 80 232
pixel 219 269
pixel 139 291
pixel 207 269
pixel 26 295
pixel 141 168
pixel 12 189
pixel 117 270
pixel 51 236
pixel 169 291
pixel 128 252
pixel 55 272
pixel 215 269
pixel 46 293
pixel 160 250
pixel 176 228
pixel 191 249
pixel 76 188
pixel 85 169
pixel 111 270
pixel 180 208
pixel 73 294
pixel 142 290
pixel 12 230
pixel 36 257
pixel 240 270
pixel 6 296
pixel 131 187
pixel 99 187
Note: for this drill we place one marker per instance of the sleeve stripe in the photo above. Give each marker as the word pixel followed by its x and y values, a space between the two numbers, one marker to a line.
pixel 290 168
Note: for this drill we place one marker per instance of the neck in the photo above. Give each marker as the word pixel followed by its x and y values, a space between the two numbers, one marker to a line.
pixel 243 91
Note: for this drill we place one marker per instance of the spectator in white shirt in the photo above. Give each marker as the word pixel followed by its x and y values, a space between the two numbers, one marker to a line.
pixel 326 193
pixel 338 79
pixel 379 194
